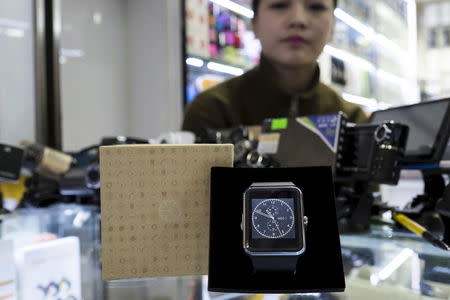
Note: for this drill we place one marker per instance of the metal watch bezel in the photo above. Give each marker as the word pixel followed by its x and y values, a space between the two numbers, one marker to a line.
pixel 301 225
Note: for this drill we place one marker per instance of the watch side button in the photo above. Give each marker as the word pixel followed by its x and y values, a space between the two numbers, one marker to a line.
pixel 242 220
pixel 305 220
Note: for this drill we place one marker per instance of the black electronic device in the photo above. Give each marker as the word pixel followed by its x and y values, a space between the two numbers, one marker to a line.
pixel 445 160
pixel 232 269
pixel 429 130
pixel 273 225
pixel 121 140
pixel 443 209
pixel 10 162
pixel 371 152
pixel 246 154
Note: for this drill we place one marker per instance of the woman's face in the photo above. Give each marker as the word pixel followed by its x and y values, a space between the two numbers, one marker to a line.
pixel 294 32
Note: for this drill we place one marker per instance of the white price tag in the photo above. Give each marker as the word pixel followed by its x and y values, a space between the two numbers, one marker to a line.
pixel 268 143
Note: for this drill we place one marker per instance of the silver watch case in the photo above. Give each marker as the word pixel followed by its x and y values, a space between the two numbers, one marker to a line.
pixel 301 225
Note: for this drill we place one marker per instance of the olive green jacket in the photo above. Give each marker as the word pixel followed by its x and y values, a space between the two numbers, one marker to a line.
pixel 254 96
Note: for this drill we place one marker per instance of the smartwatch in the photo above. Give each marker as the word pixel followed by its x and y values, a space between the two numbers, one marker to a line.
pixel 273 225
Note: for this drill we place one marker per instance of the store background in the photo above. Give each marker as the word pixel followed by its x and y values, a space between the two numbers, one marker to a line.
pixel 371 60
pixel 124 67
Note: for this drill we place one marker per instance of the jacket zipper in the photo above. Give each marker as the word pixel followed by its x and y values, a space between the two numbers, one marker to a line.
pixel 293 108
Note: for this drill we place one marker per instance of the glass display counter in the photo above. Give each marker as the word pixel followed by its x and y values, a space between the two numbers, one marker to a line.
pixel 382 264
pixel 30 227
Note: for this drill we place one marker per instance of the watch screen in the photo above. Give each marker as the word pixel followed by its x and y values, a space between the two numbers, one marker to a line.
pixel 273 218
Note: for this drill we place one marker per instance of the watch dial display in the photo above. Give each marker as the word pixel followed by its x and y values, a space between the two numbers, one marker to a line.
pixel 273 218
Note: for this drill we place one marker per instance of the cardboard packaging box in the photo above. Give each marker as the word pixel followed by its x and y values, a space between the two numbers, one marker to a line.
pixel 155 208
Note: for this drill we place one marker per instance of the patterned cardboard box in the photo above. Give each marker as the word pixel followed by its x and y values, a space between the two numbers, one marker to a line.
pixel 155 208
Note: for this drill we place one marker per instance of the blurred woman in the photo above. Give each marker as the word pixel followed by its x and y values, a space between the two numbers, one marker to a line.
pixel 286 83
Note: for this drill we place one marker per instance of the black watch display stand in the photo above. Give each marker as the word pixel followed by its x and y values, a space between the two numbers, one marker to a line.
pixel 319 269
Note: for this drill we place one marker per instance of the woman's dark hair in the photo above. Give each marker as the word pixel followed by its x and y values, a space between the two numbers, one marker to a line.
pixel 255 4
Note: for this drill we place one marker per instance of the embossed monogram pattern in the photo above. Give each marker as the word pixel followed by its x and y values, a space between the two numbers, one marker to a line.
pixel 155 208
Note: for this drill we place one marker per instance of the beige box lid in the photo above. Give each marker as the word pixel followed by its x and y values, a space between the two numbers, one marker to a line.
pixel 155 208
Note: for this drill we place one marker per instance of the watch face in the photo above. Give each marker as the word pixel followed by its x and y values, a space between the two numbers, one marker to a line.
pixel 273 218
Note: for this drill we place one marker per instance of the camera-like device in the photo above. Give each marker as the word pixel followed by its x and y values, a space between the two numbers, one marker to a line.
pixel 10 162
pixel 371 152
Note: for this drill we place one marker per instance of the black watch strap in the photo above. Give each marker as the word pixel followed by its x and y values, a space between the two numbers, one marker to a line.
pixel 275 263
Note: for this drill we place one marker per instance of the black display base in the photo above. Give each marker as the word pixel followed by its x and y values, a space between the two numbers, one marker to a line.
pixel 446 237
pixel 435 199
pixel 354 206
pixel 319 269
pixel 443 208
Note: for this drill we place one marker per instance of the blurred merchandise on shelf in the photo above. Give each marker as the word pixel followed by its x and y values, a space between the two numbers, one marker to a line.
pixel 206 81
pixel 231 47
pixel 46 160
pixel 360 9
pixel 338 71
pixel 199 80
pixel 7 271
pixel 373 38
pixel 349 39
pixel 12 192
pixel 56 244
pixel 10 162
pixel 390 92
pixel 48 176
pixel 214 32
pixel 196 28
pixel 392 21
pixel 50 270
pixel 434 46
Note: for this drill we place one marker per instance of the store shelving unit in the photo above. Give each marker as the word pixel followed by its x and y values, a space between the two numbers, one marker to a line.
pixel 219 43
pixel 377 42
pixel 371 60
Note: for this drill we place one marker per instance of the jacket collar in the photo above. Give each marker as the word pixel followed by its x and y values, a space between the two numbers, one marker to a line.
pixel 265 73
